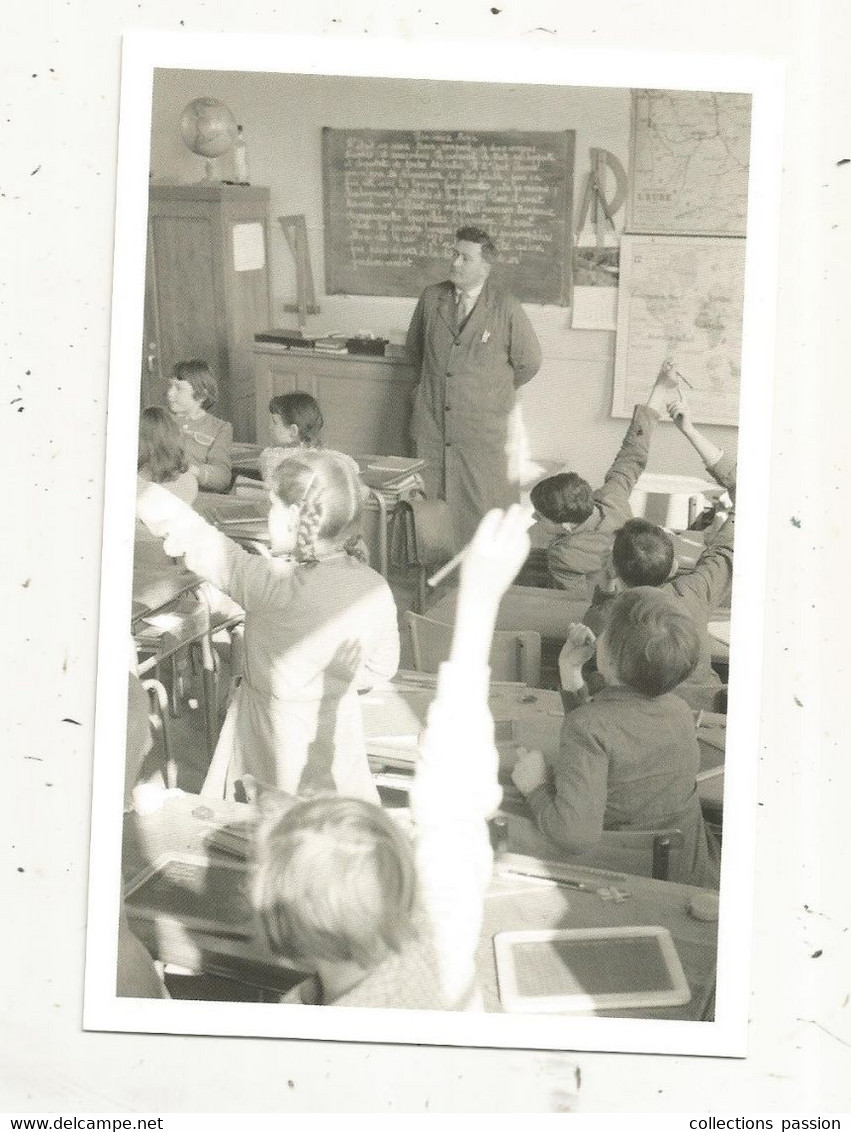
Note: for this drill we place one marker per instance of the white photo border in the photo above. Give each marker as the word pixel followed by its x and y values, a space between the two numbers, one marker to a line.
pixel 516 63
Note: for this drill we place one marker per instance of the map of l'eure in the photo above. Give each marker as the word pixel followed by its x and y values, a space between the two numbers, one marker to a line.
pixel 681 298
pixel 690 158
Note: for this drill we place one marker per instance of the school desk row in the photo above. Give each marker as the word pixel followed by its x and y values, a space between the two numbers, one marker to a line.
pixel 395 715
pixel 540 610
pixel 221 937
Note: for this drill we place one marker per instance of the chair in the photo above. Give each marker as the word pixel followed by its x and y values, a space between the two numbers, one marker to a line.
pixel 423 537
pixel 653 853
pixel 182 632
pixel 515 654
pixel 376 502
pixel 158 714
pixel 646 853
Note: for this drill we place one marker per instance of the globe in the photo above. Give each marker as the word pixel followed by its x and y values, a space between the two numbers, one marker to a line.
pixel 208 127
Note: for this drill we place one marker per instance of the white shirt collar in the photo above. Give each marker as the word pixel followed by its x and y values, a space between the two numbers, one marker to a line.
pixel 472 294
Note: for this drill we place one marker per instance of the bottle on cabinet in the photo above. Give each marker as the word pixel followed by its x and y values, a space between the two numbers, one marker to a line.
pixel 240 158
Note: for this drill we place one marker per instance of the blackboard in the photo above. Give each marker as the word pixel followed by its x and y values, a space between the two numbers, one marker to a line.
pixel 394 198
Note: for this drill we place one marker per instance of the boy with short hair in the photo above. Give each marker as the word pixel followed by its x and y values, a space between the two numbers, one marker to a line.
pixel 627 757
pixel 643 555
pixel 585 520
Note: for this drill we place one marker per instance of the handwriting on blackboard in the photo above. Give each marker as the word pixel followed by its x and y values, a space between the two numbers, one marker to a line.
pixel 395 198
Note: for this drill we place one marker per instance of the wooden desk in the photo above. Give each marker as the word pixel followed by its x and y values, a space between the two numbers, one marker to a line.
pixel 245 459
pixel 511 903
pixel 226 511
pixel 548 612
pixel 395 715
pixel 181 827
pixel 154 592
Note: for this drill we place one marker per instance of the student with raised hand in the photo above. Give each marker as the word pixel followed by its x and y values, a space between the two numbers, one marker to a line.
pixel 207 440
pixel 339 887
pixel 720 465
pixel 584 521
pixel 319 624
pixel 627 757
pixel 643 555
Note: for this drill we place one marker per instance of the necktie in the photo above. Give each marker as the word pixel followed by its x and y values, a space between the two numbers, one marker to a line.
pixel 465 305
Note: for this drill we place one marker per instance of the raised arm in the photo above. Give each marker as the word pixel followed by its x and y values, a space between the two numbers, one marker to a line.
pixel 718 464
pixel 631 459
pixel 455 788
pixel 703 588
pixel 629 463
pixel 207 552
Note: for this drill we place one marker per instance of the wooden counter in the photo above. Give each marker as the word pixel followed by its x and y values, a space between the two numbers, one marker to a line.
pixel 366 401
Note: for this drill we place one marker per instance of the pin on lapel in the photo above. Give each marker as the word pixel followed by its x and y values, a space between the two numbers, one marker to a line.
pixel 486 335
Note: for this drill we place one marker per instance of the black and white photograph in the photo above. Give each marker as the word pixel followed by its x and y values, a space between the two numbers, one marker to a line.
pixel 425 669
pixel 432 610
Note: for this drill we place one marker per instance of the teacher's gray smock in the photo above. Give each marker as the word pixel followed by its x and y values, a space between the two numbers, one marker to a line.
pixel 469 376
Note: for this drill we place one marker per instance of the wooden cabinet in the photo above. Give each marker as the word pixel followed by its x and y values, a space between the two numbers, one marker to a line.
pixel 366 402
pixel 207 290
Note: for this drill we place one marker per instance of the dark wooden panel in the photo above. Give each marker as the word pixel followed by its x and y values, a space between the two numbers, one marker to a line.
pixel 190 319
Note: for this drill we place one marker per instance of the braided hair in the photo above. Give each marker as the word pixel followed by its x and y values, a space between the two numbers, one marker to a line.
pixel 327 492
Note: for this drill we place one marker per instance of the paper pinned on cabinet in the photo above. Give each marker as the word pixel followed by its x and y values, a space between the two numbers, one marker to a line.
pixel 249 249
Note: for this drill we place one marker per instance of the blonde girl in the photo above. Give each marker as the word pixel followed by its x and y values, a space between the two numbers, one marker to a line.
pixel 319 624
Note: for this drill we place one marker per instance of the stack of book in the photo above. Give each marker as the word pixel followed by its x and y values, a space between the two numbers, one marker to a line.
pixel 392 476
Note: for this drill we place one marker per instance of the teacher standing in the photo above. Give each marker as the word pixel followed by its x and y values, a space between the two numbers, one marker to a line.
pixel 474 347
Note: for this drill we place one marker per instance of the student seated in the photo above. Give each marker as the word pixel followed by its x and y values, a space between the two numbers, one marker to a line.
pixel 161 460
pixel 296 423
pixel 583 521
pixel 192 391
pixel 627 757
pixel 339 887
pixel 162 456
pixel 643 555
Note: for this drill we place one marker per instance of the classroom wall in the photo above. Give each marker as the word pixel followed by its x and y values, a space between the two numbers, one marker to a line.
pixel 567 407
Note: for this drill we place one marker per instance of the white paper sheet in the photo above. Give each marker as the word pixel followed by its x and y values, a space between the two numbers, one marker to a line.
pixel 249 249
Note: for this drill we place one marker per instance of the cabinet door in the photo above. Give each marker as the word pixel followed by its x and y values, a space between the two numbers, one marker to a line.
pixel 152 389
pixel 189 303
pixel 366 409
